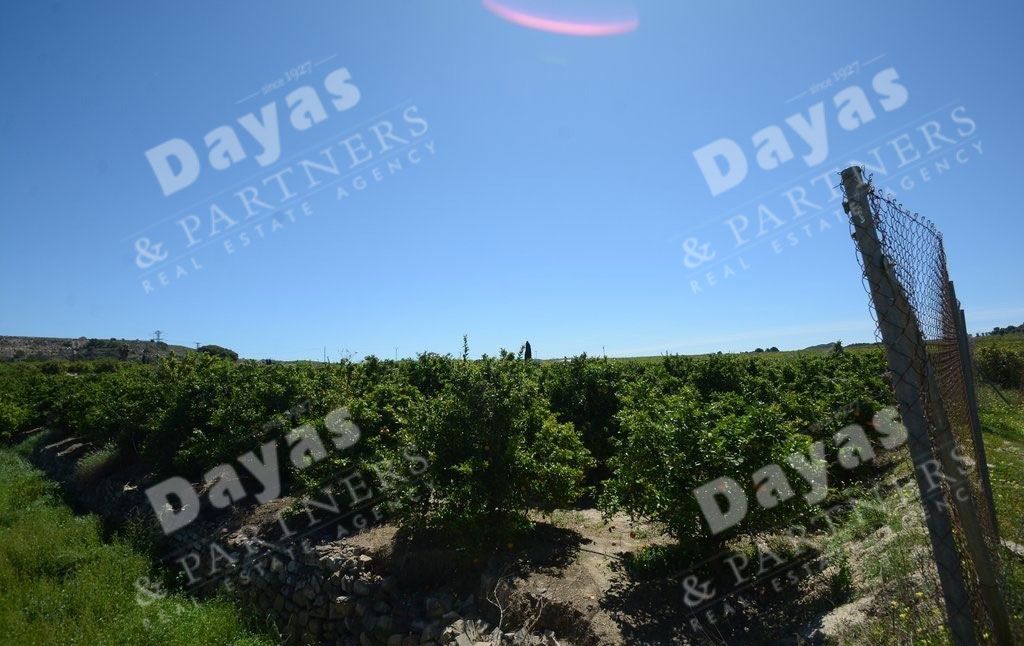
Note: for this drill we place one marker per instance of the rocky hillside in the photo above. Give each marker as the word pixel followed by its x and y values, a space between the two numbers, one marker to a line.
pixel 24 348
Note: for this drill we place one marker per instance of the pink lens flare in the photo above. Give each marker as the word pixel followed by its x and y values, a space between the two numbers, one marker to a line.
pixel 570 27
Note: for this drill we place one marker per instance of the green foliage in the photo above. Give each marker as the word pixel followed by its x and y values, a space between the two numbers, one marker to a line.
pixel 59 583
pixel 12 419
pixel 496 437
pixel 494 450
pixel 223 409
pixel 585 393
pixel 1002 413
pixel 385 407
pixel 841 582
pixel 1001 364
pixel 23 392
pixel 184 414
pixel 703 418
pixel 1008 330
pixel 653 561
pixel 97 464
pixel 1007 457
pixel 218 351
pixel 429 372
pixel 675 442
pixel 718 373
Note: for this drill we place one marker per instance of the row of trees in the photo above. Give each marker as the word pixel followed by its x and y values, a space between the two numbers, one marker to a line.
pixel 500 436
pixel 1008 330
pixel 1001 364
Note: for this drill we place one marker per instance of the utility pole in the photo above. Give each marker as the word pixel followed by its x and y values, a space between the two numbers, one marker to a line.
pixel 158 336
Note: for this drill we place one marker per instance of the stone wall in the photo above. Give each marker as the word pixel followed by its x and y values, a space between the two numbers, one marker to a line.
pixel 331 593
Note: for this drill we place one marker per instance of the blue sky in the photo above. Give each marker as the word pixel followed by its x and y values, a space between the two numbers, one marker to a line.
pixel 556 185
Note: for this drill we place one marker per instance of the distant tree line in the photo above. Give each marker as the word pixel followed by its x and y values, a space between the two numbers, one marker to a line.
pixel 1010 329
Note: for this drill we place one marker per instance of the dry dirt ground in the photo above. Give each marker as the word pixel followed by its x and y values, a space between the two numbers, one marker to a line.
pixel 572 576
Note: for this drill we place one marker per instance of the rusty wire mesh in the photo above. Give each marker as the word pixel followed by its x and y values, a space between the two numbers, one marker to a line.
pixel 922 317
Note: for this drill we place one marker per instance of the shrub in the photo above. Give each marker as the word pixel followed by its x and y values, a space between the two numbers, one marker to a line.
pixel 1001 365
pixel 385 412
pixel 673 443
pixel 97 464
pixel 494 451
pixel 429 372
pixel 501 436
pixel 117 406
pixel 218 409
pixel 584 393
pixel 218 351
pixel 718 373
pixel 13 418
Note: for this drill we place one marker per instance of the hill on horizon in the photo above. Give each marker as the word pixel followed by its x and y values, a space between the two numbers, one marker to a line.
pixel 27 348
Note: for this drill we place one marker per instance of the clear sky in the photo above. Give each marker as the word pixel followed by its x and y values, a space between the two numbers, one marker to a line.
pixel 510 169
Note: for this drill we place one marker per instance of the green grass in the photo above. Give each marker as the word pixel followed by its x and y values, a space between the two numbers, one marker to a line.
pixel 1004 448
pixel 1002 418
pixel 61 584
pixel 1014 341
pixel 908 604
pixel 97 464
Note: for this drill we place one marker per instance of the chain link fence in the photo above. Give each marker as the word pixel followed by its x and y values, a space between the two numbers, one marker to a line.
pixel 927 348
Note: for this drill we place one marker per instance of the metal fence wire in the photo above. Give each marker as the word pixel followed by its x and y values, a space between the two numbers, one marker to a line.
pixel 927 349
